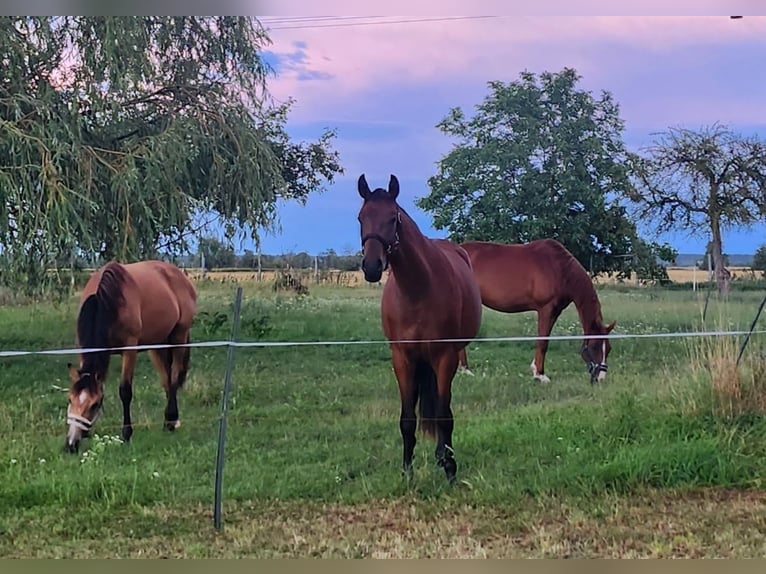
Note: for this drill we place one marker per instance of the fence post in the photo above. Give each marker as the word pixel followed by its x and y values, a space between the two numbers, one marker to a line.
pixel 224 410
pixel 752 326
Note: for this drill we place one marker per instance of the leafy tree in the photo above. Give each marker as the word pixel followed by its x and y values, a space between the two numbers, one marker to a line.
pixel 759 259
pixel 217 253
pixel 703 181
pixel 248 260
pixel 651 260
pixel 115 132
pixel 703 265
pixel 540 158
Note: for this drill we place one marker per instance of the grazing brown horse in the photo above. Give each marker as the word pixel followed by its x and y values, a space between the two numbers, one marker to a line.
pixel 541 276
pixel 123 305
pixel 430 294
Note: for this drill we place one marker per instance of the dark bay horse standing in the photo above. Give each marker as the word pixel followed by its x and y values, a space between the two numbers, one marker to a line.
pixel 541 276
pixel 430 294
pixel 122 305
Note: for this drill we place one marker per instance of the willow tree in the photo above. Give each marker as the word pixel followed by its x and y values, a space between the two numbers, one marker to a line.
pixel 115 132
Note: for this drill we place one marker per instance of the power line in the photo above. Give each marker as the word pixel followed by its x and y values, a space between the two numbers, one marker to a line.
pixel 305 19
pixel 380 23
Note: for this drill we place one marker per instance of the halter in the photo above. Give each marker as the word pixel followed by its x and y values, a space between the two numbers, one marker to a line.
pixel 594 367
pixel 81 422
pixel 389 247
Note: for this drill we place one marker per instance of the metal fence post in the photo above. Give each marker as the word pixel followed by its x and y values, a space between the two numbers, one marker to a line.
pixel 224 410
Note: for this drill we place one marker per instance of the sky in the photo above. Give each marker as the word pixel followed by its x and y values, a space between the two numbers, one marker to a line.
pixel 384 85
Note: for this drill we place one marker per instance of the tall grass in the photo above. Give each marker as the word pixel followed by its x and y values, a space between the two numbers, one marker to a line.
pixel 729 390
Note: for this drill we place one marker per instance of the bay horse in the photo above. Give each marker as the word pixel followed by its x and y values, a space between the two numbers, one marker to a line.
pixel 122 305
pixel 430 294
pixel 541 276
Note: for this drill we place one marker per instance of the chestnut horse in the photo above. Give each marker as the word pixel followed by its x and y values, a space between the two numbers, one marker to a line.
pixel 125 305
pixel 541 276
pixel 430 294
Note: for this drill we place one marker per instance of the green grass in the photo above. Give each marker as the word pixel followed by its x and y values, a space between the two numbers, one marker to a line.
pixel 313 452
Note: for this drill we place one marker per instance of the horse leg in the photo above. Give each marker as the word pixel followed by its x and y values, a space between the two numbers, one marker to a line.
pixel 445 369
pixel 161 359
pixel 405 376
pixel 126 390
pixel 463 362
pixel 546 317
pixel 179 365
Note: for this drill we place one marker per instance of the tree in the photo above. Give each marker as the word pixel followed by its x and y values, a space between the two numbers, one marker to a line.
pixel 703 263
pixel 703 181
pixel 759 259
pixel 651 260
pixel 217 253
pixel 115 132
pixel 540 158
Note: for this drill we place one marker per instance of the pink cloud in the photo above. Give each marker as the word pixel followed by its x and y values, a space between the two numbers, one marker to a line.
pixel 352 63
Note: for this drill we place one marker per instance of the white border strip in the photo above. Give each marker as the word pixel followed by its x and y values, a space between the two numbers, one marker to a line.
pixel 521 338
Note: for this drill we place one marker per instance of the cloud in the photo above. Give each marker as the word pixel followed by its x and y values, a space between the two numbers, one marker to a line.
pixel 341 72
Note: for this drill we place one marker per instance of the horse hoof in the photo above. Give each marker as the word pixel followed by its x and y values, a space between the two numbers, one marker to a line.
pixel 466 371
pixel 450 469
pixel 172 425
pixel 543 379
pixel 449 465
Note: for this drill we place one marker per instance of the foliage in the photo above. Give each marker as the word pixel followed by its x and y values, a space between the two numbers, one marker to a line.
pixel 540 158
pixel 115 132
pixel 651 260
pixel 217 254
pixel 702 181
pixel 759 259
pixel 703 263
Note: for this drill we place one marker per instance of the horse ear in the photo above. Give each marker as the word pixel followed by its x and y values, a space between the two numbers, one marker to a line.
pixel 611 326
pixel 363 187
pixel 393 187
pixel 74 376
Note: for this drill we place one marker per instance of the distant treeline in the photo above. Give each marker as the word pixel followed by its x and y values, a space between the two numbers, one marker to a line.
pixel 227 259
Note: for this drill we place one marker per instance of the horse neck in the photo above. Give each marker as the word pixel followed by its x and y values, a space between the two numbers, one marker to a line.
pixel 409 262
pixel 588 307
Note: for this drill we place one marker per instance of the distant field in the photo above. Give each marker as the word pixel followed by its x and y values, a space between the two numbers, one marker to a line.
pixel 646 465
pixel 356 278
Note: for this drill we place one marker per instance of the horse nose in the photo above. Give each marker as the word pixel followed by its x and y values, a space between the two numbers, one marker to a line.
pixel 372 270
pixel 72 446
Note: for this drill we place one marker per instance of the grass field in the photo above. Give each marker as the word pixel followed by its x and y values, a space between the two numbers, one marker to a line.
pixel 648 464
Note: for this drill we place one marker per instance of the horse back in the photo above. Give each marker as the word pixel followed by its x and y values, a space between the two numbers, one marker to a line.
pixel 518 277
pixel 156 299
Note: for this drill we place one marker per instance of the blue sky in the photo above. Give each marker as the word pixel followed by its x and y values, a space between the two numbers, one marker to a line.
pixel 384 87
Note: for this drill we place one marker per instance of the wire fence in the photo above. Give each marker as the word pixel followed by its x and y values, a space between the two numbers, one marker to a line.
pixel 350 342
pixel 233 343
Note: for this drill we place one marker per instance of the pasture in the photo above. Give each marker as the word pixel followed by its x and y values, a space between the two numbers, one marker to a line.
pixel 650 463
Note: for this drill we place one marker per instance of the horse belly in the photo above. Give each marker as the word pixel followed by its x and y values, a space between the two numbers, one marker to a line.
pixel 159 316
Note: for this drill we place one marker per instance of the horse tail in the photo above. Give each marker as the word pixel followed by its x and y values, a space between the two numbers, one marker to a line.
pixel 98 313
pixel 425 379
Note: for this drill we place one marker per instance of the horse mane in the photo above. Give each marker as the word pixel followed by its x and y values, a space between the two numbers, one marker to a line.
pixel 97 314
pixel 580 287
pixel 380 194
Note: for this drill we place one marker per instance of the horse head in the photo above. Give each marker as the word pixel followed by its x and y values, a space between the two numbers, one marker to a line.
pixel 86 396
pixel 379 219
pixel 595 352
